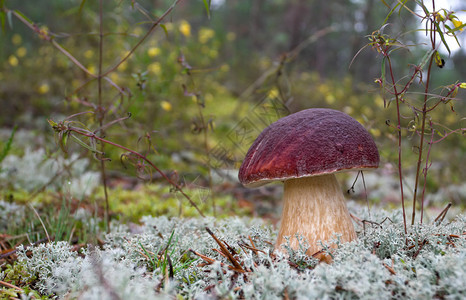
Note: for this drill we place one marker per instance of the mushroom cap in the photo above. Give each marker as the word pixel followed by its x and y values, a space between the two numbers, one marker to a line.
pixel 311 142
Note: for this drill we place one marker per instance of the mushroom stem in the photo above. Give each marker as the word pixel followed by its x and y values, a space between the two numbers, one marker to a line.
pixel 315 208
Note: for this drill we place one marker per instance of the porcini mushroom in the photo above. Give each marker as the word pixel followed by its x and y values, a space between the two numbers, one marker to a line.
pixel 305 150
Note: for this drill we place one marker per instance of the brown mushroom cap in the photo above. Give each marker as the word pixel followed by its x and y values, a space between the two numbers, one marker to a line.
pixel 311 142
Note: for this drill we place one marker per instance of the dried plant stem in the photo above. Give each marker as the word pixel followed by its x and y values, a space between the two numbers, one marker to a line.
pixel 101 112
pixel 426 168
pixel 209 166
pixel 11 286
pixel 398 114
pixel 143 157
pixel 424 115
pixel 48 38
pixel 205 128
pixel 148 33
pixel 442 214
pixel 41 222
pixel 421 142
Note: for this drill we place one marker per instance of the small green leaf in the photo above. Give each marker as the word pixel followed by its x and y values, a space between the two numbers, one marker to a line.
pixel 80 142
pixel 439 31
pixel 24 17
pixel 52 123
pixel 81 6
pixel 7 146
pixel 207 7
pixel 426 58
pixel 2 20
pixel 63 141
pixel 452 32
pixel 10 20
pixel 164 29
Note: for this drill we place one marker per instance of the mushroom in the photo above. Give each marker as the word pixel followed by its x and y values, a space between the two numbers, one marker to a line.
pixel 305 150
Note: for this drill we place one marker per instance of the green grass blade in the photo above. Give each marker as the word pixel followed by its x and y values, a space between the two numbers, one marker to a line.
pixel 439 31
pixel 7 146
pixel 207 7
pixel 2 20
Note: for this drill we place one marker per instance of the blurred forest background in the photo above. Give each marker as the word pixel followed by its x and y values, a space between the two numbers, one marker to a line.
pixel 203 86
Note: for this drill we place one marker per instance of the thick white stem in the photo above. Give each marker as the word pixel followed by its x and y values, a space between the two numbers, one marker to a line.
pixel 315 208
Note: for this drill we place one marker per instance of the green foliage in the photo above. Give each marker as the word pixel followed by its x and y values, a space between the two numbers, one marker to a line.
pixel 209 60
pixel 412 97
pixel 7 146
pixel 159 200
pixel 17 275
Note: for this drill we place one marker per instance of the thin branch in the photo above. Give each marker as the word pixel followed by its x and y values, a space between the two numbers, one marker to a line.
pixel 421 142
pixel 177 186
pixel 50 39
pixel 101 111
pixel 426 168
pixel 41 222
pixel 400 173
pixel 148 33
pixel 9 285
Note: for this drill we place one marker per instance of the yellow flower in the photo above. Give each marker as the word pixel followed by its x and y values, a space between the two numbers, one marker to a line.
pixel 153 51
pixel 205 34
pixel 231 36
pixel 348 110
pixel 91 69
pixel 138 31
pixel 21 52
pixel 213 53
pixel 330 98
pixel 16 39
pixel 185 28
pixel 225 68
pixel 88 54
pixel 209 97
pixel 114 77
pixel 43 88
pixel 367 111
pixel 166 106
pixel 375 132
pixel 155 68
pixel 323 88
pixel 273 93
pixel 457 24
pixel 123 66
pixel 13 60
pixel 44 32
pixel 75 83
